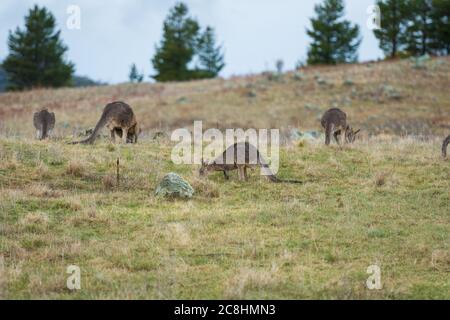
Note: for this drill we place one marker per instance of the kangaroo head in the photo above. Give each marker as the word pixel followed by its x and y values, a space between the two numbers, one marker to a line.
pixel 133 134
pixel 350 134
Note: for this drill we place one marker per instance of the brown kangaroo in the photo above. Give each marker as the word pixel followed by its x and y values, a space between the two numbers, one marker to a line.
pixel 44 122
pixel 241 156
pixel 335 121
pixel 118 117
pixel 132 136
pixel 444 146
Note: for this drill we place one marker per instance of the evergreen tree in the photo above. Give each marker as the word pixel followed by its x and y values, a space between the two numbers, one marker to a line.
pixel 177 48
pixel 36 54
pixel 335 40
pixel 210 56
pixel 441 20
pixel 420 28
pixel 134 75
pixel 394 15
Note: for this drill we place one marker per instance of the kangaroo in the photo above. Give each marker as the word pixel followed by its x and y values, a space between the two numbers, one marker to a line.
pixel 132 136
pixel 444 146
pixel 335 121
pixel 44 122
pixel 116 116
pixel 240 156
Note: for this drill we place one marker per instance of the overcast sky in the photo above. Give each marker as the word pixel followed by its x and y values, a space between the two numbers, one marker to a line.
pixel 116 33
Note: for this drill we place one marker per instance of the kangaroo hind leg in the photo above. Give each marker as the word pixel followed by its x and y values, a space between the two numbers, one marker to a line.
pixel 124 135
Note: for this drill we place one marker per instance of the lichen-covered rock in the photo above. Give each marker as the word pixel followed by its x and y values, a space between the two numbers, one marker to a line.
pixel 308 135
pixel 172 185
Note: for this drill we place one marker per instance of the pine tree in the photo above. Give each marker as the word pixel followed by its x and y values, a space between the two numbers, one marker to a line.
pixel 393 24
pixel 420 28
pixel 36 54
pixel 177 48
pixel 210 56
pixel 335 40
pixel 134 76
pixel 441 20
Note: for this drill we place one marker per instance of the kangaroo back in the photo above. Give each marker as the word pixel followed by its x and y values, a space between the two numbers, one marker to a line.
pixel 44 122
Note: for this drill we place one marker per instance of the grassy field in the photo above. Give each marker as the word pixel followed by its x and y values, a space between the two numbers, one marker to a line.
pixel 383 201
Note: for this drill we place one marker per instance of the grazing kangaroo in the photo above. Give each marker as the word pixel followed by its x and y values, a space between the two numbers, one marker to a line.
pixel 44 122
pixel 132 135
pixel 241 156
pixel 444 146
pixel 335 121
pixel 116 116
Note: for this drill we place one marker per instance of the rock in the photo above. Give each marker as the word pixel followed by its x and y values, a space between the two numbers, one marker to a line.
pixel 348 82
pixel 182 100
pixel 391 92
pixel 321 81
pixel 307 135
pixel 172 185
pixel 298 76
pixel 419 62
pixel 311 107
pixel 251 94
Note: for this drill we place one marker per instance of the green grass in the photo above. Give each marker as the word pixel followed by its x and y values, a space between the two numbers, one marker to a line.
pixel 381 201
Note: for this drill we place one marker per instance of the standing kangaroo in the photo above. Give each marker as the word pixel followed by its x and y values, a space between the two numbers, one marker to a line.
pixel 335 121
pixel 444 146
pixel 44 122
pixel 240 156
pixel 119 118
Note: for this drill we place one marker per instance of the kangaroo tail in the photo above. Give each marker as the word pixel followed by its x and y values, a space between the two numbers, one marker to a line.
pixel 444 146
pixel 100 124
pixel 44 129
pixel 273 178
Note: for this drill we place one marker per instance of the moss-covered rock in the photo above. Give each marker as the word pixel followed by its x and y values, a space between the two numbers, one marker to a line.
pixel 172 185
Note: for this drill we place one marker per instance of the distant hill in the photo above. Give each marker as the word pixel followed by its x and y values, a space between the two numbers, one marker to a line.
pixel 83 81
pixel 78 81
pixel 399 97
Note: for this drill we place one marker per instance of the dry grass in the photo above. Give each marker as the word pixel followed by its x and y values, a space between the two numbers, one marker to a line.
pixel 76 168
pixel 41 190
pixel 384 98
pixel 384 200
pixel 109 182
pixel 240 240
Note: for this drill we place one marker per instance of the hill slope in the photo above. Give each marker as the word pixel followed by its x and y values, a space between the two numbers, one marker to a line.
pixel 390 97
pixel 382 201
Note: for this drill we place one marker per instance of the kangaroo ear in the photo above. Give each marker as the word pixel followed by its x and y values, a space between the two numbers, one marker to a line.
pixel 357 131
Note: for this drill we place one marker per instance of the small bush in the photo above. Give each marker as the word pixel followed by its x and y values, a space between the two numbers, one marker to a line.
pixel 206 188
pixel 108 182
pixel 75 168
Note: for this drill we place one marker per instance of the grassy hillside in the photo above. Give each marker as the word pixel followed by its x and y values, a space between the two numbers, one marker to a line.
pixel 384 200
pixel 389 97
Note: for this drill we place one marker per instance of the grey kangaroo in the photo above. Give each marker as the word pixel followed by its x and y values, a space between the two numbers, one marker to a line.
pixel 44 122
pixel 444 146
pixel 132 135
pixel 240 156
pixel 335 121
pixel 119 118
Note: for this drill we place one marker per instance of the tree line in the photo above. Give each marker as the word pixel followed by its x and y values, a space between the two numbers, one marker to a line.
pixel 414 27
pixel 187 51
